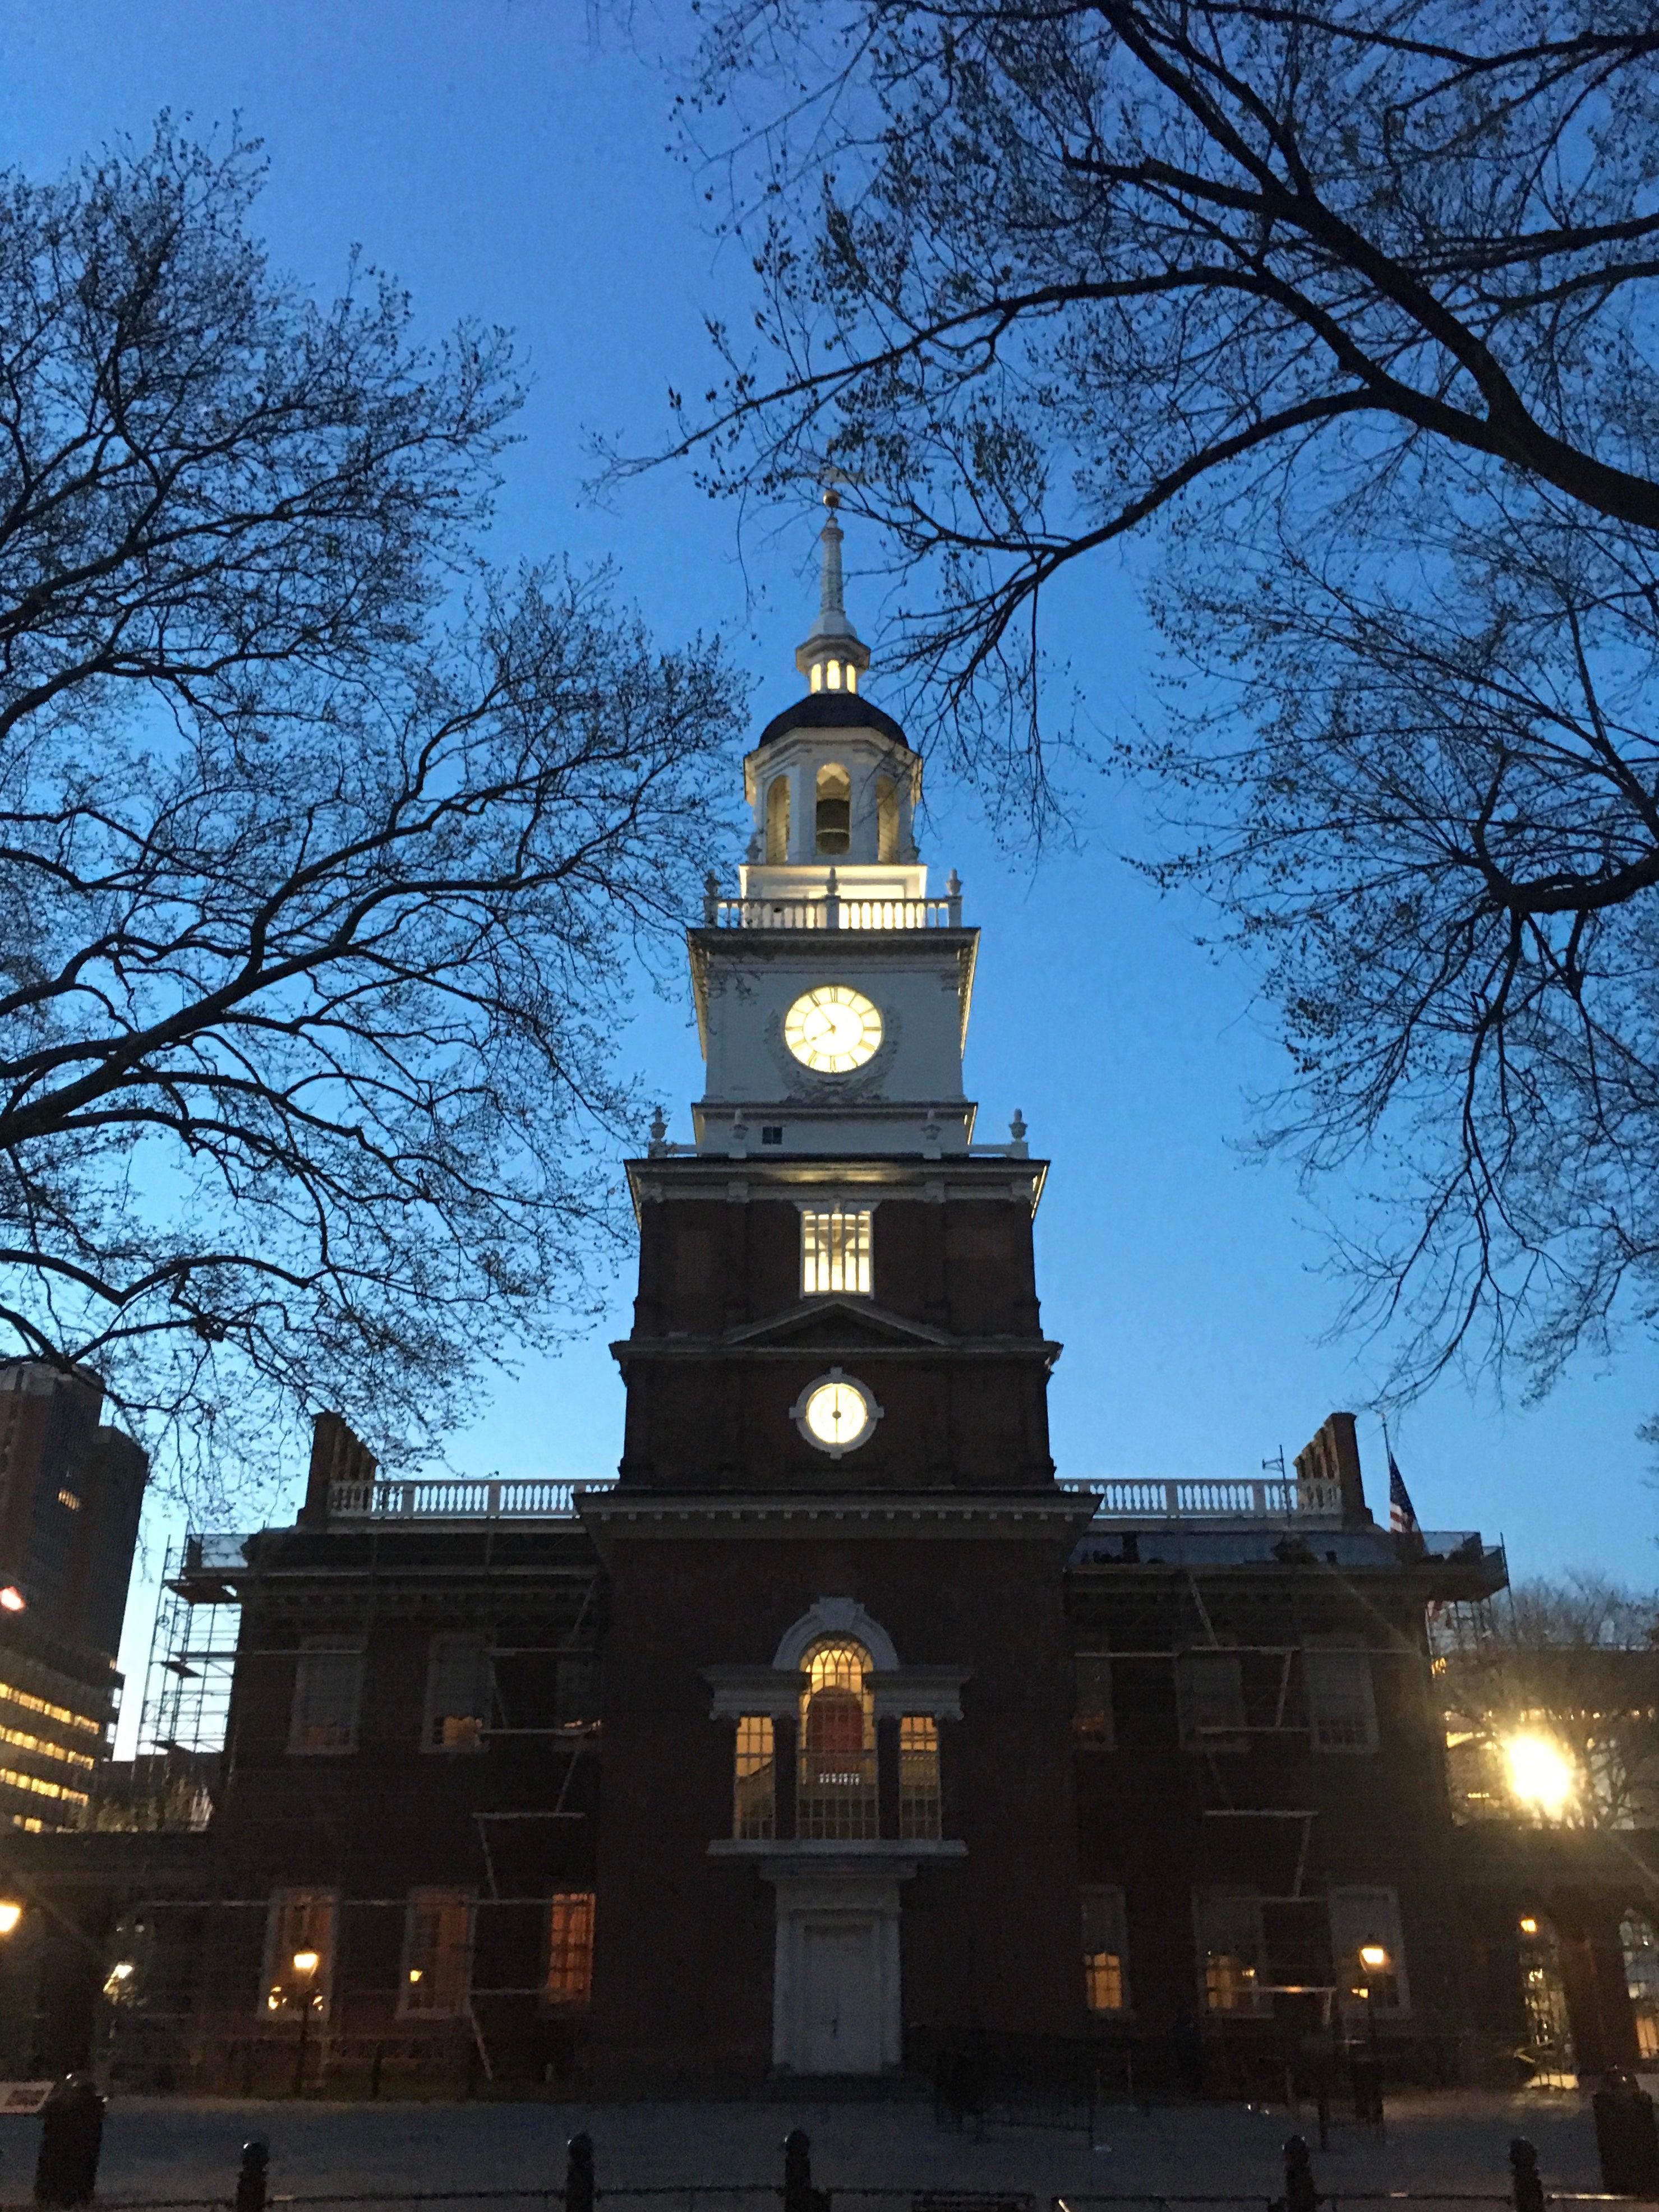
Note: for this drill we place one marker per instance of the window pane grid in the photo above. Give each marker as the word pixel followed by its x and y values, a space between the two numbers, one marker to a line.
pixel 918 1778
pixel 570 1949
pixel 836 1799
pixel 457 1694
pixel 1103 1950
pixel 834 1252
pixel 437 1953
pixel 1232 1941
pixel 754 1815
pixel 300 1925
pixel 327 1688
pixel 1341 1707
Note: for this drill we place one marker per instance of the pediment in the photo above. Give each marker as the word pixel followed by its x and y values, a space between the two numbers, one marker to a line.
pixel 837 1321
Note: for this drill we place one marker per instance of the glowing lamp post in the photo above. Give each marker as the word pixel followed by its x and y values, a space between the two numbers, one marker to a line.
pixel 1374 1958
pixel 305 1964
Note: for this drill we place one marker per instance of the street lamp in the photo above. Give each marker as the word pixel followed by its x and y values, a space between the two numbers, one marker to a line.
pixel 305 1964
pixel 10 1914
pixel 1374 1958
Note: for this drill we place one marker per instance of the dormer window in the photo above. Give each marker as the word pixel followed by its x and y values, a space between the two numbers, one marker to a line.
pixel 835 810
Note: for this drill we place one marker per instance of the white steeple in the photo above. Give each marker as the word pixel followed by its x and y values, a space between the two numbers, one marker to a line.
pixel 833 992
pixel 834 656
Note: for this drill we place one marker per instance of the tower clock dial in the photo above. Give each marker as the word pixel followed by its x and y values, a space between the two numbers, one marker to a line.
pixel 833 1029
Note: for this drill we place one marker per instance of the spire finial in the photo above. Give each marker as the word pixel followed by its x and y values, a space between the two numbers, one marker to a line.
pixel 834 656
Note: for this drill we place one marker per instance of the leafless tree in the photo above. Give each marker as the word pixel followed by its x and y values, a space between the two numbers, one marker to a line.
pixel 323 851
pixel 1349 308
pixel 1572 1663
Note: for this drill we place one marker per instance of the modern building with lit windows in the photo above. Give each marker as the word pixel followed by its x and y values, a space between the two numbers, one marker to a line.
pixel 839 1735
pixel 70 1491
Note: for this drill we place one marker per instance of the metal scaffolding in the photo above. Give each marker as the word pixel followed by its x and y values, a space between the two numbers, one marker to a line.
pixel 192 1655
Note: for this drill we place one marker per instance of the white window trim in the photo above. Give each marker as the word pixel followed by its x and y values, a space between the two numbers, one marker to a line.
pixel 430 1703
pixel 1316 1647
pixel 274 1914
pixel 1376 1912
pixel 407 2011
pixel 321 1647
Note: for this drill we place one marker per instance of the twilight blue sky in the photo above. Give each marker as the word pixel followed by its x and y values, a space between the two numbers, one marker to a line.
pixel 508 159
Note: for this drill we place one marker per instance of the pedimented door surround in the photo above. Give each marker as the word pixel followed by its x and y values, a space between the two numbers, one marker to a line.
pixel 835 1983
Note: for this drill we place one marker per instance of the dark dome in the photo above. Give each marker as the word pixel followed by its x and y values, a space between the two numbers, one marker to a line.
pixel 832 710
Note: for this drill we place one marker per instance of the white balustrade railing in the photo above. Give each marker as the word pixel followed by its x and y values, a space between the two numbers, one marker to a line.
pixel 452 1501
pixel 833 910
pixel 1224 1500
pixel 834 914
pixel 1119 1500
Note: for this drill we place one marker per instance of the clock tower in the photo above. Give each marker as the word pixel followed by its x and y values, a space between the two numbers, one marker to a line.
pixel 839 1815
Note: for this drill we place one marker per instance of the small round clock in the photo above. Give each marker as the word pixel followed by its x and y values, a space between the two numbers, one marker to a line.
pixel 833 1029
pixel 835 1414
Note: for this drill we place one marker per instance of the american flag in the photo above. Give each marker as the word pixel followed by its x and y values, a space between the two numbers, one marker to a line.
pixel 1402 1514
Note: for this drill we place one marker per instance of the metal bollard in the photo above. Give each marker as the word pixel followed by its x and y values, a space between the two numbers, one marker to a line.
pixel 71 2137
pixel 579 2174
pixel 798 2194
pixel 1300 2195
pixel 1526 2189
pixel 251 2176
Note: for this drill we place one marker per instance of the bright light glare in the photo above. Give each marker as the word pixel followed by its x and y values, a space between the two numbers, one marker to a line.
pixel 1540 1774
pixel 1373 1958
pixel 9 1916
pixel 12 1599
pixel 305 1962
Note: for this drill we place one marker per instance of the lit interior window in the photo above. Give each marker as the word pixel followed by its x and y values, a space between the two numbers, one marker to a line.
pixel 817 676
pixel 570 1949
pixel 837 1799
pixel 918 1777
pixel 755 1807
pixel 835 676
pixel 1103 1950
pixel 852 676
pixel 834 1252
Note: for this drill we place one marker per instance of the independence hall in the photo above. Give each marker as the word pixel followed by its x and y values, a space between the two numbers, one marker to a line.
pixel 841 1730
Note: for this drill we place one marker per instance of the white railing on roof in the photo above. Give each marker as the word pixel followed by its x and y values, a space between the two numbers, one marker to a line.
pixel 833 911
pixel 1214 1501
pixel 452 1501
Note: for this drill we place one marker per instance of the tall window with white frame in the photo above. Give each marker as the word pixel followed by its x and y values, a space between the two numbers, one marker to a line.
pixel 437 1954
pixel 754 1809
pixel 1341 1704
pixel 299 1932
pixel 1232 1951
pixel 570 1982
pixel 918 1791
pixel 838 1792
pixel 328 1685
pixel 457 1694
pixel 835 1250
pixel 1105 1954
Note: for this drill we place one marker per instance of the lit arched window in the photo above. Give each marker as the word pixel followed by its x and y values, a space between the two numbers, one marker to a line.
pixel 777 822
pixel 834 809
pixel 837 1794
pixel 887 818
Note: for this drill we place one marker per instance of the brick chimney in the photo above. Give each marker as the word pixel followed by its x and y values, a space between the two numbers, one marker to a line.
pixel 1334 1457
pixel 337 1455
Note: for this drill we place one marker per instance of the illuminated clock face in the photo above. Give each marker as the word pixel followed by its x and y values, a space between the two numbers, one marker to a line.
pixel 835 1414
pixel 832 1029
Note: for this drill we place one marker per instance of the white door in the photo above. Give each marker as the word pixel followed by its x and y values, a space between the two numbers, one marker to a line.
pixel 840 2011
